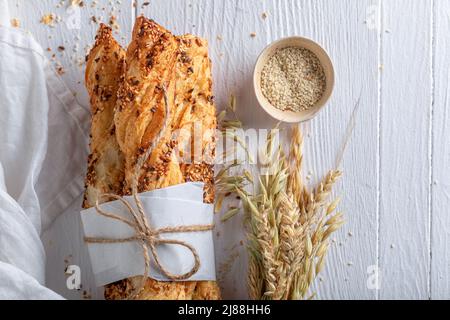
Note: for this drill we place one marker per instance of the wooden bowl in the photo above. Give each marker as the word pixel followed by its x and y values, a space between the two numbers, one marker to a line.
pixel 322 55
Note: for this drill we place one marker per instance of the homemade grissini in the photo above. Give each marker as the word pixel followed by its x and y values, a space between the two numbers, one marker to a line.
pixel 104 68
pixel 160 69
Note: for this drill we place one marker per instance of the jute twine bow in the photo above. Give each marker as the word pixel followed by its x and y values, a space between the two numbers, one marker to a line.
pixel 144 233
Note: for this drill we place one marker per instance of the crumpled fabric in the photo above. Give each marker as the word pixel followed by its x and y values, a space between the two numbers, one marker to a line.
pixel 41 172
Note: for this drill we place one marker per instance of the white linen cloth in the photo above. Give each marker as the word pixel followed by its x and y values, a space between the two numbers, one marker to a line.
pixel 41 173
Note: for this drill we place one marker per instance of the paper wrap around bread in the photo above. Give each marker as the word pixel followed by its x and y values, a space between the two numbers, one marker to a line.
pixel 127 92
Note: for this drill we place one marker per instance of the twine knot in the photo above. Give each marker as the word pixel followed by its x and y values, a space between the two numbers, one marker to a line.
pixel 148 237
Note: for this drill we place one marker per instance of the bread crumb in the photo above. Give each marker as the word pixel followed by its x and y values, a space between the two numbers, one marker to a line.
pixel 78 3
pixel 48 19
pixel 253 34
pixel 113 22
pixel 15 22
pixel 264 15
pixel 60 70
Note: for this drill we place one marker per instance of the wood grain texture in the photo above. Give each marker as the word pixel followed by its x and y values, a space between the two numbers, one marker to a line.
pixel 440 197
pixel 396 189
pixel 75 32
pixel 404 240
pixel 63 242
pixel 340 28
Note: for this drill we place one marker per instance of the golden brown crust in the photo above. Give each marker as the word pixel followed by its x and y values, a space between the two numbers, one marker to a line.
pixel 158 64
pixel 195 104
pixel 153 290
pixel 104 69
pixel 140 110
pixel 195 113
pixel 206 290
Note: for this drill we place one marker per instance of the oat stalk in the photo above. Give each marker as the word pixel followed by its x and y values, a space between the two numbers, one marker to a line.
pixel 288 226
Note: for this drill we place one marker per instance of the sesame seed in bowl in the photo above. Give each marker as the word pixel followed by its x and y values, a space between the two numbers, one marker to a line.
pixel 293 79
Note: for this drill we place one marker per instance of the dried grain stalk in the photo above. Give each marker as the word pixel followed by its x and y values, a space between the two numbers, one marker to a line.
pixel 288 226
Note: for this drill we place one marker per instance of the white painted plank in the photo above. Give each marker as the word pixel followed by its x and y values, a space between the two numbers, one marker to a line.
pixel 340 27
pixel 440 241
pixel 405 150
pixel 75 32
pixel 353 45
pixel 404 195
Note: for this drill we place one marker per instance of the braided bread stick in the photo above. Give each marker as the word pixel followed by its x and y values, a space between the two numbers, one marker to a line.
pixel 104 69
pixel 158 66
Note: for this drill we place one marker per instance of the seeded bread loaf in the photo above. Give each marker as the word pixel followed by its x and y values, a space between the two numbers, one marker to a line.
pixel 161 67
pixel 104 68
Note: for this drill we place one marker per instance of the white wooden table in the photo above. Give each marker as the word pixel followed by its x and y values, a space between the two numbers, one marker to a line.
pixel 392 53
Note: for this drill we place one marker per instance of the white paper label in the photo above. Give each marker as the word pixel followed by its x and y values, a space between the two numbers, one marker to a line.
pixel 180 205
